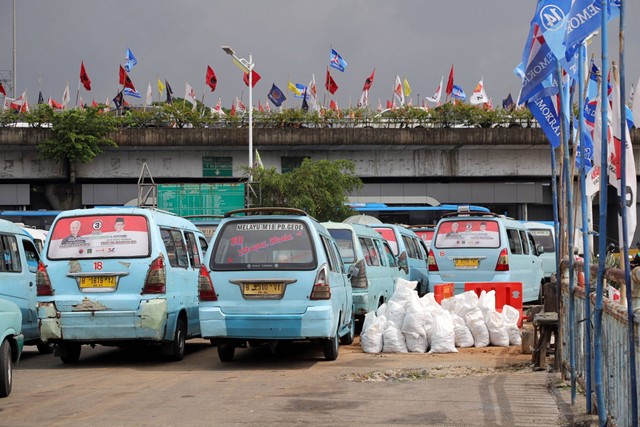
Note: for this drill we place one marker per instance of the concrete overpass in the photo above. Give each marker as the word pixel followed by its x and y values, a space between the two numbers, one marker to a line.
pixel 507 169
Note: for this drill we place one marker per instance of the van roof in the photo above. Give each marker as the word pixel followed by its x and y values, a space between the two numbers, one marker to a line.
pixel 157 214
pixel 359 229
pixel 10 227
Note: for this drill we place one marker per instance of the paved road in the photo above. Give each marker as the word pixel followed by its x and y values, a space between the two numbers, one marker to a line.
pixel 110 386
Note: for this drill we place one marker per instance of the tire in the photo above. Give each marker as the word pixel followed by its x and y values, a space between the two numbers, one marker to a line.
pixel 179 341
pixel 6 369
pixel 45 347
pixel 348 339
pixel 330 347
pixel 226 351
pixel 70 352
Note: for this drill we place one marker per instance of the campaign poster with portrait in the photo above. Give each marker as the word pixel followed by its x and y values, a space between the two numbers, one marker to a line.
pixel 476 233
pixel 99 236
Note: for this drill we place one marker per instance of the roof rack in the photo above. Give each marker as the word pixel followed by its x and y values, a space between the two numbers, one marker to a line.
pixel 203 216
pixel 467 214
pixel 266 210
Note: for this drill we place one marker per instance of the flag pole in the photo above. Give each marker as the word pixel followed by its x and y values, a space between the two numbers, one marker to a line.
pixel 625 226
pixel 77 93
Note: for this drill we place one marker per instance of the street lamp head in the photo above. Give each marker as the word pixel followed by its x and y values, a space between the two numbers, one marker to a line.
pixel 228 50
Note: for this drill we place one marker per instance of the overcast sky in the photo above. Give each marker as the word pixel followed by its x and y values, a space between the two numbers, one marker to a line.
pixel 290 40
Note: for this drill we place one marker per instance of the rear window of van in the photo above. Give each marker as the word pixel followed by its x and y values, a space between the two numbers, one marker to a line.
pixel 99 236
pixel 544 237
pixel 389 235
pixel 473 233
pixel 264 244
pixel 344 239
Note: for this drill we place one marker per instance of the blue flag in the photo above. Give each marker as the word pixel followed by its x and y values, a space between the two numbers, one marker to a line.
pixel 303 91
pixel 546 110
pixel 458 93
pixel 588 147
pixel 336 61
pixel 276 96
pixel 540 65
pixel 584 19
pixel 551 17
pixel 130 61
pixel 131 92
pixel 118 100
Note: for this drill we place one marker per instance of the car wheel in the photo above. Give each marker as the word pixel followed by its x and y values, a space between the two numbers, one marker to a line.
pixel 348 339
pixel 45 347
pixel 179 340
pixel 226 351
pixel 330 347
pixel 6 369
pixel 70 352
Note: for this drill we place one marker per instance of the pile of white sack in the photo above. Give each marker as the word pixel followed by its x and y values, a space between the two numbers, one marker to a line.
pixel 410 323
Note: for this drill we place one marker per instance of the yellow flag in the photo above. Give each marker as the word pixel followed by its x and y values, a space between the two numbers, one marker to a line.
pixel 407 88
pixel 160 86
pixel 293 88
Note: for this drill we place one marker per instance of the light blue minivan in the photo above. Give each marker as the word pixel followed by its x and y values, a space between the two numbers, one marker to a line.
pixel 273 275
pixel 485 247
pixel 544 234
pixel 18 267
pixel 370 262
pixel 118 275
pixel 410 251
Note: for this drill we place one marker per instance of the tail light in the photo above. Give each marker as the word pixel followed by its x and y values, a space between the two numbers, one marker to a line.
pixel 359 275
pixel 433 265
pixel 503 261
pixel 43 284
pixel 206 292
pixel 156 280
pixel 321 288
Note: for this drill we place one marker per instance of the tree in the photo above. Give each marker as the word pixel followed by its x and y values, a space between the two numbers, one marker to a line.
pixel 320 188
pixel 77 136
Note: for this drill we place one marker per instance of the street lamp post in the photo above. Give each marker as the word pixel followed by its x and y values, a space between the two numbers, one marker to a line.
pixel 247 67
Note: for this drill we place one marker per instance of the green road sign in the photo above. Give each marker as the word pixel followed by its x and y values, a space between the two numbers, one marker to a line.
pixel 217 166
pixel 200 199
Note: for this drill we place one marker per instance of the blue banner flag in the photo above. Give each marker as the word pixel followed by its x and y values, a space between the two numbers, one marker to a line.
pixel 507 103
pixel 540 65
pixel 130 61
pixel 132 92
pixel 303 91
pixel 118 100
pixel 546 109
pixel 336 61
pixel 458 93
pixel 584 19
pixel 276 96
pixel 588 146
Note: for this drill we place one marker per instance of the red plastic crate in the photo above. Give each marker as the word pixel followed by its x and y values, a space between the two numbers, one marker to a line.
pixel 442 291
pixel 509 293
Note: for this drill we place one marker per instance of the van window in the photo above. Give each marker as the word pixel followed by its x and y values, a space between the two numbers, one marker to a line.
pixel 544 237
pixel 515 246
pixel 532 243
pixel 31 253
pixel 264 244
pixel 525 242
pixel 99 236
pixel 344 239
pixel 174 244
pixel 475 233
pixel 192 249
pixel 203 244
pixel 411 248
pixel 389 255
pixel 390 237
pixel 371 255
pixel 335 263
pixel 11 256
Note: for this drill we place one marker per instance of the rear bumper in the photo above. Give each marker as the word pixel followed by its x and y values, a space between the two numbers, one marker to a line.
pixel 316 322
pixel 147 323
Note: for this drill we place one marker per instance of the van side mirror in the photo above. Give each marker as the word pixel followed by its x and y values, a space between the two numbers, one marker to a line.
pixel 540 249
pixel 403 264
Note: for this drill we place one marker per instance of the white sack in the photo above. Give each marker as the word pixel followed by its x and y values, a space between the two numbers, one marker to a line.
pixel 464 338
pixel 498 335
pixel 478 328
pixel 413 327
pixel 511 316
pixel 443 337
pixel 393 340
pixel 371 336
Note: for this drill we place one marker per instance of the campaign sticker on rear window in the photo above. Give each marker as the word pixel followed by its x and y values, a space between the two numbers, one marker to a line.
pixel 270 226
pixel 468 234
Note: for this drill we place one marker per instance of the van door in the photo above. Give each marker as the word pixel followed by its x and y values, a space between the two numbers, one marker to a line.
pixel 17 283
pixel 521 264
pixel 338 282
pixel 195 253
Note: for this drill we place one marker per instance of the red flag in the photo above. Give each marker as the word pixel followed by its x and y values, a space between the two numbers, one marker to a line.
pixel 330 84
pixel 2 91
pixel 369 81
pixel 254 78
pixel 233 109
pixel 125 80
pixel 211 80
pixel 333 105
pixel 53 104
pixel 84 77
pixel 389 104
pixel 94 103
pixel 450 82
pixel 260 108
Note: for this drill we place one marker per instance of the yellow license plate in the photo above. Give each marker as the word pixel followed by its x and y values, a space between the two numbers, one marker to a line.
pixel 260 289
pixel 98 282
pixel 466 263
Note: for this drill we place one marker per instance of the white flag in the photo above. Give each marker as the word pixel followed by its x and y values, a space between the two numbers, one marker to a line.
pixel 635 108
pixel 398 92
pixel 65 96
pixel 436 96
pixel 364 99
pixel 149 99
pixel 479 95
pixel 313 93
pixel 190 94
